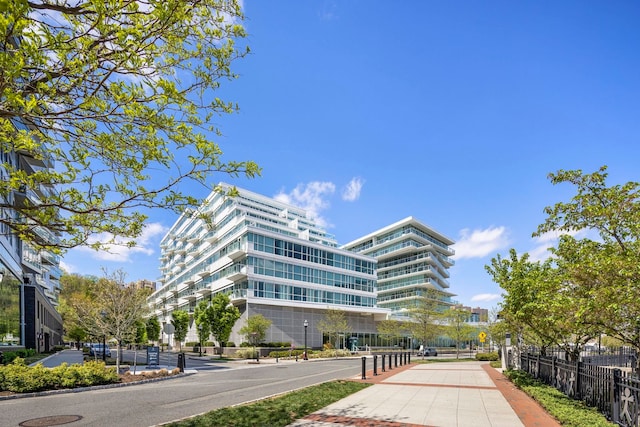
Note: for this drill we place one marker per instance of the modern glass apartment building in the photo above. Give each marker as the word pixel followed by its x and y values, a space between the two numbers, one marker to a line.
pixel 29 277
pixel 272 259
pixel 412 258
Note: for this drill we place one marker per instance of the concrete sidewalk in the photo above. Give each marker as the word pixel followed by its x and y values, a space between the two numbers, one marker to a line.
pixel 438 394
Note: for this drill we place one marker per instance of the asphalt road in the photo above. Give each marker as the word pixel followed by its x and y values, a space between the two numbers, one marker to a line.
pixel 217 385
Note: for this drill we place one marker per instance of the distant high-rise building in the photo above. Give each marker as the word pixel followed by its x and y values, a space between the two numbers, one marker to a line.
pixel 144 284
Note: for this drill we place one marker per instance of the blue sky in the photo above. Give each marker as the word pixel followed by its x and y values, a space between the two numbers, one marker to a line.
pixel 366 112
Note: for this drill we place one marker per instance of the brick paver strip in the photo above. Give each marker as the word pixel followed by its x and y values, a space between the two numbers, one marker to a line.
pixel 528 410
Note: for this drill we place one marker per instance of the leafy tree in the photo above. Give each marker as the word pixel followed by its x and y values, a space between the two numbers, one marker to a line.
pixel 110 309
pixel 75 289
pixel 153 328
pixel 604 272
pixel 537 301
pixel 425 324
pixel 77 335
pixel 203 327
pixel 120 96
pixel 180 321
pixel 222 315
pixel 392 330
pixel 255 330
pixel 333 324
pixel 457 326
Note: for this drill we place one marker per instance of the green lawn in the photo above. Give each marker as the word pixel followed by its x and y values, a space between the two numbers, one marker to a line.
pixel 277 411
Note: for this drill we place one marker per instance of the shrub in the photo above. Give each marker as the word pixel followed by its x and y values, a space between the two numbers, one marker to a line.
pixel 493 356
pixel 287 353
pixel 229 344
pixel 246 353
pixel 20 378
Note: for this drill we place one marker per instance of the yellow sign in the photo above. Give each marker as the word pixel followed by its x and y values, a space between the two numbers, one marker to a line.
pixel 482 336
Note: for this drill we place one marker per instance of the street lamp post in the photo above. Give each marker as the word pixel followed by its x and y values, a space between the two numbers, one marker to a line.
pixel 306 324
pixel 200 336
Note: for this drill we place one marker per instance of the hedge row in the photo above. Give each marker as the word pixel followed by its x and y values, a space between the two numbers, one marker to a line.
pixel 288 353
pixel 10 356
pixel 20 378
pixel 493 356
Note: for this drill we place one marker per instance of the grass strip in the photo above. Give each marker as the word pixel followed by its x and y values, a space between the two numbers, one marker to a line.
pixel 569 412
pixel 278 411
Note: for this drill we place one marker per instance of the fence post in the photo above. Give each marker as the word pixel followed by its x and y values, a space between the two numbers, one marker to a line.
pixel 615 395
pixel 577 394
pixel 538 365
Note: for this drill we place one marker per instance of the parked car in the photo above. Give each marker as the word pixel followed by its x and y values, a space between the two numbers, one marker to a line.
pixel 429 351
pixel 96 350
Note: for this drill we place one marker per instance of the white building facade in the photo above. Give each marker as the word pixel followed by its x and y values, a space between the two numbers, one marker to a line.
pixel 271 259
pixel 412 259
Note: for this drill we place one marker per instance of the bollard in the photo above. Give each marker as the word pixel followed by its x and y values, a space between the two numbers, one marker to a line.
pixel 405 357
pixel 364 368
pixel 375 365
pixel 181 362
pixel 395 360
pixel 409 357
pixel 383 356
pixel 390 362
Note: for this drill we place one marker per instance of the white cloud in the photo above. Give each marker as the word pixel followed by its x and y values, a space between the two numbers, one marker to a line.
pixel 69 268
pixel 485 297
pixel 351 191
pixel 119 252
pixel 312 197
pixel 480 243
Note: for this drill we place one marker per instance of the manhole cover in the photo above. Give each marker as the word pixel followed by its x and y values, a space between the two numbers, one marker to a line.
pixel 55 420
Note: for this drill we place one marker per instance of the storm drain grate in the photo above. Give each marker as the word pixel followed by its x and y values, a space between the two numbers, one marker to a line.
pixel 55 420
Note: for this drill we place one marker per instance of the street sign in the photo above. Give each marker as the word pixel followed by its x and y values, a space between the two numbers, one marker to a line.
pixel 153 356
pixel 482 336
pixel 169 329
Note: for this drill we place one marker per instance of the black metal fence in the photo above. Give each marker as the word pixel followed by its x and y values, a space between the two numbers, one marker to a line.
pixel 613 390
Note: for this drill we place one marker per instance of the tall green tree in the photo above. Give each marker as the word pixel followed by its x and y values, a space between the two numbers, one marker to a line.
pixel 333 324
pixel 153 328
pixel 222 315
pixel 180 321
pixel 457 326
pixel 425 322
pixel 255 330
pixel 392 330
pixel 604 271
pixel 120 96
pixel 201 319
pixel 110 309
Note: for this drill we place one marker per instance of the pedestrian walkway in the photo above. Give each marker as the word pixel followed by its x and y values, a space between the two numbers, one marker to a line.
pixel 439 394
